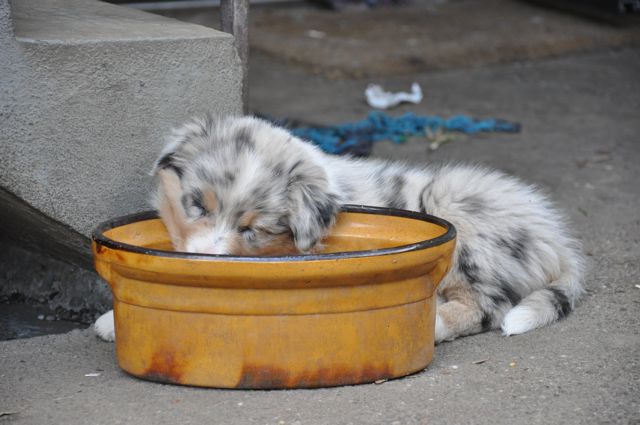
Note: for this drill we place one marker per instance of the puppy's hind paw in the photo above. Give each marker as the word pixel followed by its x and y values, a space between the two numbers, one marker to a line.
pixel 105 327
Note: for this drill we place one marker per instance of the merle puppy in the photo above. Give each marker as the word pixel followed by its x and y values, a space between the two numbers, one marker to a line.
pixel 241 186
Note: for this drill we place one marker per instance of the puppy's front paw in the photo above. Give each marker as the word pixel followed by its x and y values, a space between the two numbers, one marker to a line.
pixel 105 327
pixel 441 330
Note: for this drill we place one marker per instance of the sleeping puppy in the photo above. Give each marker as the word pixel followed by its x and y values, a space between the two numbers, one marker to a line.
pixel 241 186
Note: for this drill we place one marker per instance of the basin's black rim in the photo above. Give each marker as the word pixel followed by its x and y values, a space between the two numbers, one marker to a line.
pixel 99 237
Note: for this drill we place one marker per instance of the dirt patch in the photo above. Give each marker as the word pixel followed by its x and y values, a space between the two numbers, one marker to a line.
pixel 425 37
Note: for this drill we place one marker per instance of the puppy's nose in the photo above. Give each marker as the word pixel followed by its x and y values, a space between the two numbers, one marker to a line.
pixel 205 246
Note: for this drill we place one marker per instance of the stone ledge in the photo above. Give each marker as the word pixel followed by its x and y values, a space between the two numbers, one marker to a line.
pixel 90 21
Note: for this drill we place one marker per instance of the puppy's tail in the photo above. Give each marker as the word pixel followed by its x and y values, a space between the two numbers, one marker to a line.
pixel 547 305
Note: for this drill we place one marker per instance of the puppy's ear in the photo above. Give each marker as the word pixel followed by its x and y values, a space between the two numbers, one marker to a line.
pixel 312 207
pixel 183 143
pixel 169 160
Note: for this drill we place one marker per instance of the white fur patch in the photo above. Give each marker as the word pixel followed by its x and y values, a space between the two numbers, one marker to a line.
pixel 442 332
pixel 105 327
pixel 204 243
pixel 521 319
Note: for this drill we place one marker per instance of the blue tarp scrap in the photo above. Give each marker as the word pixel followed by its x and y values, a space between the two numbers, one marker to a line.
pixel 357 138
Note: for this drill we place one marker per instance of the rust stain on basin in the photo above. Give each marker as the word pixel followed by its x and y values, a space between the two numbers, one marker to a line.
pixel 268 377
pixel 361 312
pixel 165 367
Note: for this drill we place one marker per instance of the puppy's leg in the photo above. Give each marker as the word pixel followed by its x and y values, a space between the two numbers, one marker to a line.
pixel 105 327
pixel 460 315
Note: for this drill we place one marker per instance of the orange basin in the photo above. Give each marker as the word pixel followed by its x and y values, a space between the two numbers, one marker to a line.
pixel 361 311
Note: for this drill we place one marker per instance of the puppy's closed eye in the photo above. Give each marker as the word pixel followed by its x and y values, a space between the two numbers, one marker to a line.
pixel 193 204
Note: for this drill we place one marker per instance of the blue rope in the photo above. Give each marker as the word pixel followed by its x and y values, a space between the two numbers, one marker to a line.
pixel 357 137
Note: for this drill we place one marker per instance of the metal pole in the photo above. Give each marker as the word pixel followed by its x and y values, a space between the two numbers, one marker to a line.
pixel 235 20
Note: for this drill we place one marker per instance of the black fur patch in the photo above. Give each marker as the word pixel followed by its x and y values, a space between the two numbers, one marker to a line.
pixel 421 207
pixel 505 294
pixel 486 322
pixel 327 210
pixel 294 178
pixel 198 198
pixel 560 302
pixel 244 140
pixel 294 166
pixel 193 199
pixel 277 171
pixel 473 205
pixel 168 162
pixel 517 246
pixel 423 193
pixel 513 297
pixel 467 267
pixel 229 177
pixel 394 197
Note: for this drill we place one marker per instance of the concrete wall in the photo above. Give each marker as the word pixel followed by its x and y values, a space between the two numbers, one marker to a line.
pixel 87 92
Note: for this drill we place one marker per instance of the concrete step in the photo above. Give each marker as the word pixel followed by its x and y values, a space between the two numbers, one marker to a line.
pixel 88 91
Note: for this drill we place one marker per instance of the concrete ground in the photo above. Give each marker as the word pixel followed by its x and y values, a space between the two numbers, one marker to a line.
pixel 581 120
pixel 427 35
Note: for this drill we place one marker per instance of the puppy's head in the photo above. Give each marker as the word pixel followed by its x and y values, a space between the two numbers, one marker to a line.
pixel 240 186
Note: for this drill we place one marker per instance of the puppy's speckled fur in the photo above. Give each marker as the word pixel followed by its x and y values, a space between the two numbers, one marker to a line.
pixel 242 186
